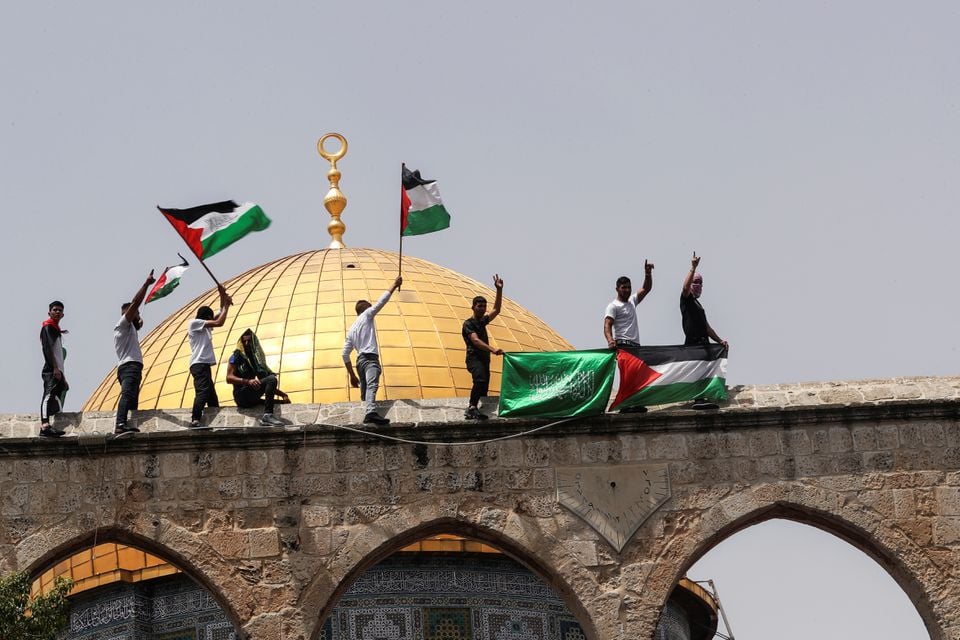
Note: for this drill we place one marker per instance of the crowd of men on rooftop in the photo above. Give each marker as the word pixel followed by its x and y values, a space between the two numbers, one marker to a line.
pixel 254 382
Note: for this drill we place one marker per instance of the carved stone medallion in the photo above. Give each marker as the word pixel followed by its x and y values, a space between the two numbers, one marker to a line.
pixel 615 500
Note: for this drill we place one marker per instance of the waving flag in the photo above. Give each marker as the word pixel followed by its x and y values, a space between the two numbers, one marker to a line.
pixel 660 375
pixel 168 281
pixel 556 383
pixel 211 228
pixel 421 209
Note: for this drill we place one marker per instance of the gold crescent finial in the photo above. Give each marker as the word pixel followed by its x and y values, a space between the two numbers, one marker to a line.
pixel 335 202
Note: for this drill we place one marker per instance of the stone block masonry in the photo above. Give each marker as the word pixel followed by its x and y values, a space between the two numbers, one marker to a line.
pixel 276 523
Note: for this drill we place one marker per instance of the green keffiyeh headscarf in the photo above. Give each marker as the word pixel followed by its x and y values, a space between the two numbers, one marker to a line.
pixel 250 363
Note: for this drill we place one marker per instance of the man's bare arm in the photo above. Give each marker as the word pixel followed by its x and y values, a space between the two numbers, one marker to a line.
pixel 480 344
pixel 608 332
pixel 498 283
pixel 694 263
pixel 647 281
pixel 131 313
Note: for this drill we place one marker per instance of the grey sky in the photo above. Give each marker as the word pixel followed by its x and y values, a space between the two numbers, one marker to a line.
pixel 808 152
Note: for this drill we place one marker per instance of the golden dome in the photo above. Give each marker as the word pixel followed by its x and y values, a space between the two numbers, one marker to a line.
pixel 301 307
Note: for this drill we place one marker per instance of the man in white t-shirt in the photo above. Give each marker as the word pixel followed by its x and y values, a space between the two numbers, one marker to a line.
pixel 126 341
pixel 362 336
pixel 620 321
pixel 202 359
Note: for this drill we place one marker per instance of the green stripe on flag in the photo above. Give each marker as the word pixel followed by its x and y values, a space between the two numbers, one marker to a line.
pixel 557 383
pixel 714 389
pixel 427 220
pixel 253 219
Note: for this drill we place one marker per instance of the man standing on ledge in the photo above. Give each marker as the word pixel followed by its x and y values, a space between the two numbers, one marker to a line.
pixel 696 329
pixel 126 341
pixel 200 333
pixel 479 349
pixel 362 336
pixel 54 381
pixel 620 327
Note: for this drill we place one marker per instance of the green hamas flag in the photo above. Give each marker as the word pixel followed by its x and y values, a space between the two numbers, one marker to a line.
pixel 556 384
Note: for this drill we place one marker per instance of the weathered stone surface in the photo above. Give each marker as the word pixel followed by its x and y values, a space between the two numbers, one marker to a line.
pixel 275 520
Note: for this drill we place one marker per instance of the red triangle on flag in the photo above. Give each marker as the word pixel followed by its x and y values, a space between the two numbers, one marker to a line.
pixel 635 374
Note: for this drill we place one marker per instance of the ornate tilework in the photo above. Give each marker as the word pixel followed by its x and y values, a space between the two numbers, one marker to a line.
pixel 447 624
pixel 570 630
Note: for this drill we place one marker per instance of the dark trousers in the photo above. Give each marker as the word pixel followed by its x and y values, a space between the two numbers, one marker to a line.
pixel 205 394
pixel 129 375
pixel 53 391
pixel 247 397
pixel 696 342
pixel 479 368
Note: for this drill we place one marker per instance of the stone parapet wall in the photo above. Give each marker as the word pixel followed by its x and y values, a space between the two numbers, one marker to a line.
pixel 742 398
pixel 277 523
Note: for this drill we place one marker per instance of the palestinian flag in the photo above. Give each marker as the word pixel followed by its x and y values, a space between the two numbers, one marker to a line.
pixel 660 375
pixel 421 210
pixel 210 228
pixel 556 383
pixel 167 281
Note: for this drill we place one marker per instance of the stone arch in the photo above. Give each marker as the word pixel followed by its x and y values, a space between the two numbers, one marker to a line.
pixel 182 548
pixel 502 528
pixel 904 558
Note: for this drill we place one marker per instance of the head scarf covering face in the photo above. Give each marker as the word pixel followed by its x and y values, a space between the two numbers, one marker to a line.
pixel 696 287
pixel 250 362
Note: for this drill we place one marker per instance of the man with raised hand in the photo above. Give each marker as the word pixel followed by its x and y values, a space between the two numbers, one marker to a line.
pixel 202 359
pixel 362 336
pixel 126 341
pixel 696 329
pixel 478 348
pixel 620 328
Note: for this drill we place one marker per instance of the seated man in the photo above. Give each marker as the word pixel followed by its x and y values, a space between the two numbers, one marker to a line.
pixel 252 379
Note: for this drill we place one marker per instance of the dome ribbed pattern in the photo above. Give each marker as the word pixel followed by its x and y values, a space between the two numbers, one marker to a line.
pixel 301 307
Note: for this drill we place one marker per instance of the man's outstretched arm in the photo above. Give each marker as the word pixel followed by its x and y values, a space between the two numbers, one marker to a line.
pixel 138 297
pixel 647 281
pixel 498 283
pixel 694 263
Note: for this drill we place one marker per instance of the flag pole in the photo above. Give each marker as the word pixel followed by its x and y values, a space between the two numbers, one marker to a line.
pixel 400 261
pixel 204 264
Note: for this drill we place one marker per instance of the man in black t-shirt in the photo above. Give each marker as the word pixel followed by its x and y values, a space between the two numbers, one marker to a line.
pixel 479 349
pixel 696 329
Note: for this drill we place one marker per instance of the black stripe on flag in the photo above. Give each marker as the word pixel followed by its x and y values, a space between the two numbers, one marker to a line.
pixel 193 214
pixel 412 179
pixel 653 356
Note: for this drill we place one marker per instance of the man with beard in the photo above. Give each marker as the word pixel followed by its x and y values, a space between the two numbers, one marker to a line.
pixel 126 341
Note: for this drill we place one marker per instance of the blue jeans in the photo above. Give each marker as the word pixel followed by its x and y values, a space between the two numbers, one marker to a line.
pixel 368 366
pixel 129 375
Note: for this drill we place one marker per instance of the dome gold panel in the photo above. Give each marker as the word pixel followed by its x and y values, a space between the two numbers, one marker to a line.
pixel 301 307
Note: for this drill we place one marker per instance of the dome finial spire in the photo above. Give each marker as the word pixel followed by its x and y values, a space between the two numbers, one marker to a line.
pixel 335 202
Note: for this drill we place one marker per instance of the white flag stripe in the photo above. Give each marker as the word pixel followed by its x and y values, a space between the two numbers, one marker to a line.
pixel 689 371
pixel 424 196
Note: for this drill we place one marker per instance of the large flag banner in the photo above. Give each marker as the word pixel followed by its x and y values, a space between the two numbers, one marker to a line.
pixel 556 383
pixel 660 375
pixel 421 209
pixel 168 281
pixel 211 228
